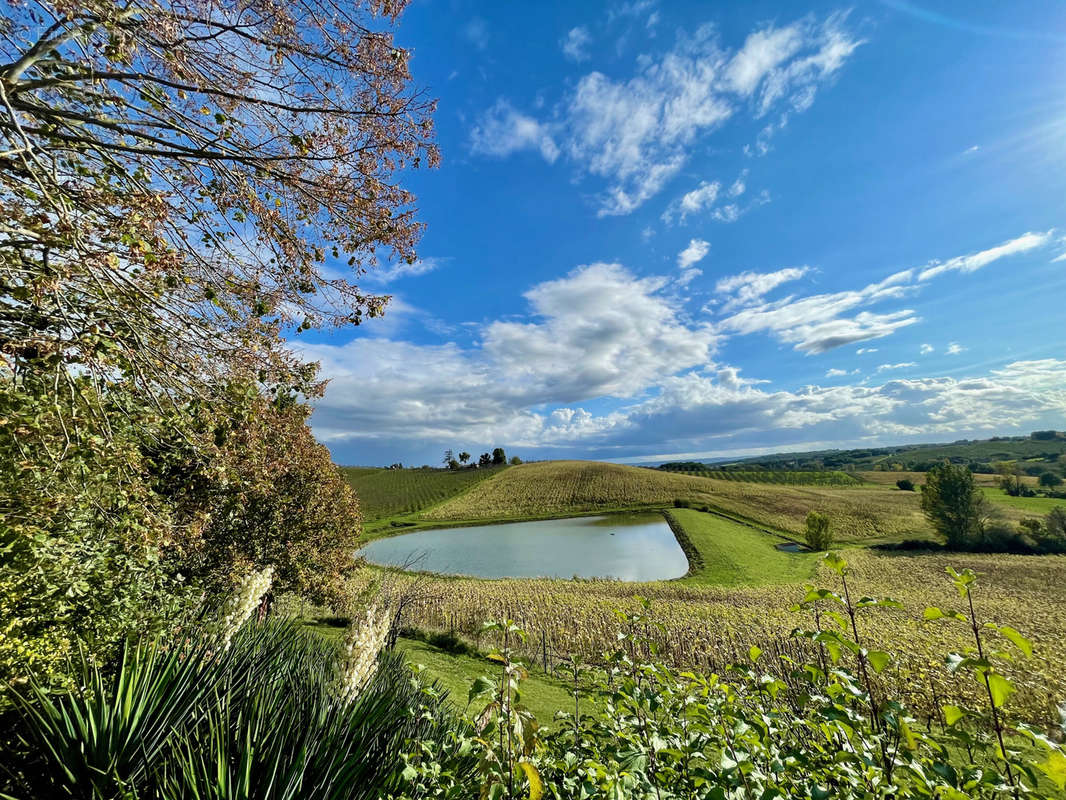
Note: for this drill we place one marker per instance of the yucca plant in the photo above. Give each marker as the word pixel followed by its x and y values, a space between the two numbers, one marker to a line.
pixel 263 718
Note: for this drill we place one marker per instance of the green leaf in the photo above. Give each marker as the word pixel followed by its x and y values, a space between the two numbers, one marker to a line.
pixel 480 686
pixel 953 714
pixel 878 659
pixel 835 562
pixel 754 653
pixel 1017 639
pixel 1055 768
pixel 1000 687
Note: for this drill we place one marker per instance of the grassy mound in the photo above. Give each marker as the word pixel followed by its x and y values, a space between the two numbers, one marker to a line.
pixel 562 487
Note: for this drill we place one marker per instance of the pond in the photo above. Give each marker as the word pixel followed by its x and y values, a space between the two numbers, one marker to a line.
pixel 629 547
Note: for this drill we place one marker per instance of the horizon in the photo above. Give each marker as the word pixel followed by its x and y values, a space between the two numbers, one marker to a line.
pixel 729 231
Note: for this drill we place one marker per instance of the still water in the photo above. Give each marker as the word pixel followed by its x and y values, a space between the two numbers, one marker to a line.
pixel 630 547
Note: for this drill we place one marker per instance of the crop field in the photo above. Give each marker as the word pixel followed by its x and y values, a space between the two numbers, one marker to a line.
pixel 387 492
pixel 556 487
pixel 709 627
pixel 781 476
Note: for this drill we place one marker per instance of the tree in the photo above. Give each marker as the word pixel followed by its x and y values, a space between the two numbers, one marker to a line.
pixel 484 460
pixel 954 505
pixel 1050 480
pixel 515 461
pixel 906 484
pixel 499 456
pixel 449 457
pixel 464 457
pixel 1011 479
pixel 180 182
pixel 817 533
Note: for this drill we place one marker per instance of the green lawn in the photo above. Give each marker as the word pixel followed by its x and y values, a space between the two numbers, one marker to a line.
pixel 735 554
pixel 542 694
pixel 1037 506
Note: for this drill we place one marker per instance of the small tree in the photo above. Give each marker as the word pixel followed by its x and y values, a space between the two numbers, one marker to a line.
pixel 954 505
pixel 464 457
pixel 499 456
pixel 1050 480
pixel 906 484
pixel 449 457
pixel 817 532
pixel 484 460
pixel 515 461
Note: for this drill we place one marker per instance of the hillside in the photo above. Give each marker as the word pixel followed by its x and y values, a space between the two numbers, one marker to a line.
pixel 980 454
pixel 560 487
pixel 387 492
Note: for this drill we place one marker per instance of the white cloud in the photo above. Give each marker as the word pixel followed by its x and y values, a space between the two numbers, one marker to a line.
pixel 954 348
pixel 688 276
pixel 739 185
pixel 575 42
pixel 748 287
pixel 636 133
pixel 835 373
pixel 404 270
pixel 864 350
pixel 1056 259
pixel 925 349
pixel 692 202
pixel 815 324
pixel 503 130
pixel 696 251
pixel 901 365
pixel 974 261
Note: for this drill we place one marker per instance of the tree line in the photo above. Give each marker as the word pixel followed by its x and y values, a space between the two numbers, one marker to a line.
pixel 497 458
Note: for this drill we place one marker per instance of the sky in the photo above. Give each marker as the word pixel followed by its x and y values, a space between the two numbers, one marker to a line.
pixel 692 230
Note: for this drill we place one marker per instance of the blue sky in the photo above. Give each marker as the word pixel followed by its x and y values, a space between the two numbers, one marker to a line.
pixel 669 229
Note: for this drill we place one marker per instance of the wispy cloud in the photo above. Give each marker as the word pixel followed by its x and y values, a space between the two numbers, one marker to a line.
pixel 636 133
pixel 901 365
pixel 403 270
pixel 749 287
pixel 504 130
pixel 975 261
pixel 926 349
pixel 575 42
pixel 954 348
pixel 476 31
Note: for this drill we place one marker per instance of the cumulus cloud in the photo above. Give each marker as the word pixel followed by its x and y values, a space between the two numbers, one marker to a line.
pixel 696 250
pixel 954 348
pixel 575 42
pixel 503 130
pixel 926 349
pixel 635 133
pixel 835 373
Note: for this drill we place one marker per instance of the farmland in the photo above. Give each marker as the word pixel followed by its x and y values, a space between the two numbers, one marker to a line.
pixel 557 487
pixel 387 492
pixel 784 477
pixel 741 587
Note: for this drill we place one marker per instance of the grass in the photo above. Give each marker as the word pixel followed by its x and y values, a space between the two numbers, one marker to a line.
pixel 734 554
pixel 889 478
pixel 543 694
pixel 386 493
pixel 1025 506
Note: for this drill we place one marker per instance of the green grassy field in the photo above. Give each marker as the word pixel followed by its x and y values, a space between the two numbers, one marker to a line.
pixel 1026 506
pixel 734 554
pixel 388 492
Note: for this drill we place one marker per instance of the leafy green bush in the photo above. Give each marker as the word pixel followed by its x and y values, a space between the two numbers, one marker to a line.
pixel 905 484
pixel 816 532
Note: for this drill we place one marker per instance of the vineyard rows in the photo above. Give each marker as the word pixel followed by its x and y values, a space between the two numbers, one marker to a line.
pixel 780 477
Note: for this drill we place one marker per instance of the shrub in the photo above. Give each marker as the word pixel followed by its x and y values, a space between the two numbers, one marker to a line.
pixel 1050 480
pixel 817 532
pixel 906 484
pixel 682 503
pixel 954 506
